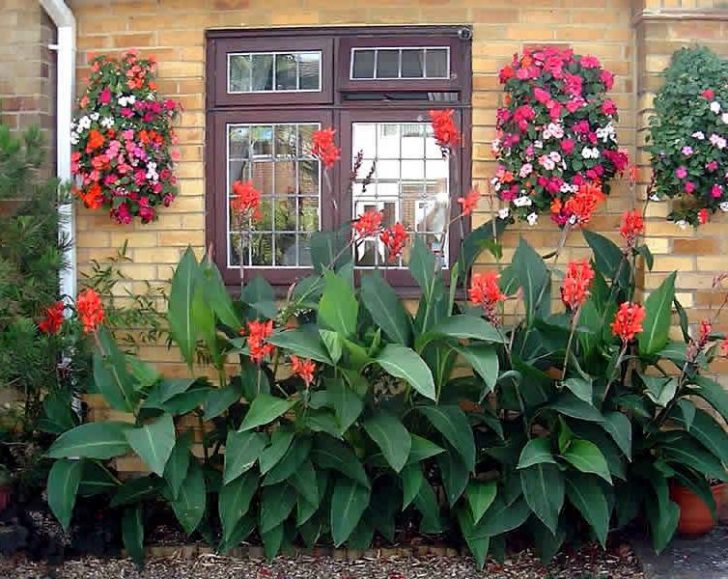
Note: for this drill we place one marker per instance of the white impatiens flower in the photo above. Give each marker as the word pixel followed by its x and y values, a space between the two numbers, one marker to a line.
pixel 495 145
pixel 724 206
pixel 107 122
pixel 590 153
pixel 538 144
pixel 556 130
pixel 74 138
pixel 532 219
pixel 654 197
pixel 724 118
pixel 698 135
pixel 94 116
pixel 504 213
pixel 523 201
pixel 546 162
pixel 682 224
pixel 715 107
pixel 606 133
pixel 525 171
pixel 555 156
pixel 84 123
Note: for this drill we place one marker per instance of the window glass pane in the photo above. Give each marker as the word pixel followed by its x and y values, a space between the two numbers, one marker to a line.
pixel 413 63
pixel 363 66
pixel 239 73
pixel 436 63
pixel 309 70
pixel 286 71
pixel 364 139
pixel 289 184
pixel 407 187
pixel 262 72
pixel 387 63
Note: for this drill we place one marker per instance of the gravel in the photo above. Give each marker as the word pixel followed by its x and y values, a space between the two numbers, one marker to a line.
pixel 588 563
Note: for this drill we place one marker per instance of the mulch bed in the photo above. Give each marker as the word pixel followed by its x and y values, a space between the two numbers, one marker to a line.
pixel 588 563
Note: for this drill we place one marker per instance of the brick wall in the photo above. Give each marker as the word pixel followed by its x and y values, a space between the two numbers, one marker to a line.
pixel 27 68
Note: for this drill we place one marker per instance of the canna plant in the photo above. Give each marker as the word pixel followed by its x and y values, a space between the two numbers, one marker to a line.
pixel 336 415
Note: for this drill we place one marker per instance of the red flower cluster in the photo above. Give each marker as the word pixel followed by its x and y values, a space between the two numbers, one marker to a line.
pixel 122 138
pixel 257 346
pixel 369 224
pixel 53 320
pixel 246 202
pixel 575 287
pixel 446 132
pixel 556 132
pixel 485 292
pixel 578 210
pixel 324 147
pixel 632 226
pixel 628 321
pixel 304 369
pixel 469 202
pixel 395 238
pixel 90 310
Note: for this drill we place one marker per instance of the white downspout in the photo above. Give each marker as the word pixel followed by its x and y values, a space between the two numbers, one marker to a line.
pixel 65 24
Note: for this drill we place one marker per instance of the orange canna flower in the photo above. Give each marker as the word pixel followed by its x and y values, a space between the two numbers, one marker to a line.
pixel 246 202
pixel 582 205
pixel 257 333
pixel 368 224
pixel 53 320
pixel 90 310
pixel 304 369
pixel 628 321
pixel 575 287
pixel 324 148
pixel 632 226
pixel 469 202
pixel 395 238
pixel 485 292
pixel 446 132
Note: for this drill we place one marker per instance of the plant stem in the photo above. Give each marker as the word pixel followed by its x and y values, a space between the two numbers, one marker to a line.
pixel 574 322
pixel 615 371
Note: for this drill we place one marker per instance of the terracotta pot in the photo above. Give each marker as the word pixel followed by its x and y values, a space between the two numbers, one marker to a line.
pixel 695 516
pixel 6 492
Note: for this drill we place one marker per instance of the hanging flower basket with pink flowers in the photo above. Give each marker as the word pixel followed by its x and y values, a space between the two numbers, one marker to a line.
pixel 556 135
pixel 122 138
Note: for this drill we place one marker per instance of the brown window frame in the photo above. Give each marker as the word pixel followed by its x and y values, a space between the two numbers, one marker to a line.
pixel 332 106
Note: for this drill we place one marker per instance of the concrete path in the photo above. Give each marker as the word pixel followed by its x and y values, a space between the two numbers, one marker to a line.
pixel 701 558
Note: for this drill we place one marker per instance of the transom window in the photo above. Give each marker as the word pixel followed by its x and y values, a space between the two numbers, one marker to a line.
pixel 269 90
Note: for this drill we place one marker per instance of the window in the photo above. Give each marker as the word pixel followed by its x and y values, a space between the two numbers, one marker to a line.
pixel 269 90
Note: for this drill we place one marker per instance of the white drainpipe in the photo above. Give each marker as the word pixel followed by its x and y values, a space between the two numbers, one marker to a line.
pixel 65 23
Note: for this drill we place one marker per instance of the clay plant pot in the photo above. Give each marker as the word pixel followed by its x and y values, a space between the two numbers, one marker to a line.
pixel 695 517
pixel 6 492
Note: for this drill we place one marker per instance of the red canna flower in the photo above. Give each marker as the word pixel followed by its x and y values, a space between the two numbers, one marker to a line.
pixel 246 202
pixel 469 202
pixel 485 292
pixel 257 346
pixel 395 238
pixel 575 287
pixel 304 369
pixel 53 320
pixel 369 224
pixel 446 132
pixel 634 174
pixel 632 226
pixel 705 328
pixel 90 310
pixel 580 208
pixel 628 321
pixel 324 147
pixel 703 216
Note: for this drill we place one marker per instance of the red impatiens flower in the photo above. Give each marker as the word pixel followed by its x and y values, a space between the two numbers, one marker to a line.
pixel 575 287
pixel 708 94
pixel 257 346
pixel 469 202
pixel 485 292
pixel 703 216
pixel 632 226
pixel 53 320
pixel 92 197
pixel 446 132
pixel 90 310
pixel 304 369
pixel 368 224
pixel 395 238
pixel 628 321
pixel 246 202
pixel 580 208
pixel 324 147
pixel 95 141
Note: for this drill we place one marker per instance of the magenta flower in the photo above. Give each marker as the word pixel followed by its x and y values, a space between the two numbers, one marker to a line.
pixel 681 172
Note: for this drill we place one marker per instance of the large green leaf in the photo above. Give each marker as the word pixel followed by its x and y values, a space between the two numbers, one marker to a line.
pixel 92 440
pixel 689 453
pixel 383 304
pixel 328 249
pixel 402 362
pixel 302 343
pixel 586 457
pixel 533 277
pixel 179 306
pixel 178 464
pixel 264 410
pixel 391 437
pixel 503 516
pixel 135 490
pixel 484 360
pixel 132 533
pixel 218 400
pixel 427 504
pixel 204 321
pixel 619 428
pixel 658 310
pixel 713 393
pixel 480 497
pixel 461 327
pixel 453 424
pixel 259 295
pixel 345 401
pixel 607 256
pixel 276 503
pixel 454 475
pixel 280 440
pixel 423 267
pixel 189 507
pixel 709 433
pixel 331 454
pixel 412 479
pixel 234 502
pixel 96 480
pixel 153 442
pixel 305 482
pixel 584 492
pixel 338 309
pixel 580 387
pixel 422 449
pixel 478 541
pixel 242 449
pixel 291 461
pixel 483 237
pixel 217 295
pixel 111 375
pixel 63 480
pixel 543 489
pixel 348 502
pixel 570 405
pixel 536 451
pixel 662 514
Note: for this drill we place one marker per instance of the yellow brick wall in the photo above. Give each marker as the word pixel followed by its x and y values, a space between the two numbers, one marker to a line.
pixel 634 47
